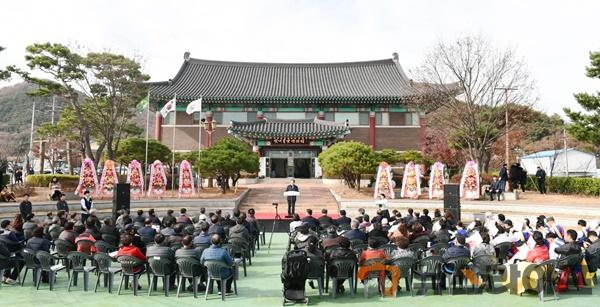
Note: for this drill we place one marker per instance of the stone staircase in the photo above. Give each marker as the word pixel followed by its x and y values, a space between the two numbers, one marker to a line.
pixel 313 194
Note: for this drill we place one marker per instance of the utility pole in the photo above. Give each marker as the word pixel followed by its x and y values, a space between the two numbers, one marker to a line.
pixel 565 151
pixel 506 141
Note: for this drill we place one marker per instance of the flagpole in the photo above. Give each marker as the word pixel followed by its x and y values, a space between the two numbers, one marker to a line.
pixel 200 142
pixel 173 145
pixel 147 130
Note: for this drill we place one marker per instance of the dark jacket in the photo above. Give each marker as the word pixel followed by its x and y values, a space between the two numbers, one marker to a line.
pixel 240 232
pixel 147 231
pixel 38 244
pixel 218 229
pixel 343 220
pixel 540 175
pixel 188 253
pixel 326 221
pixel 160 251
pixel 25 208
pixel 567 249
pixel 456 251
pixel 311 221
pixel 109 229
pixel 355 234
pixel 62 205
pixel 503 174
pixel 167 219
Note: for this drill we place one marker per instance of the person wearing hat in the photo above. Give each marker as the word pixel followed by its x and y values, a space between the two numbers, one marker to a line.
pixel 86 206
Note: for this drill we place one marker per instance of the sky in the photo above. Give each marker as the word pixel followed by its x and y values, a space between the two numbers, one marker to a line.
pixel 553 37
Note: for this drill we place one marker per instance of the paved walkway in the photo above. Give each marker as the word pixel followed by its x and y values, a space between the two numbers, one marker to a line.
pixel 313 194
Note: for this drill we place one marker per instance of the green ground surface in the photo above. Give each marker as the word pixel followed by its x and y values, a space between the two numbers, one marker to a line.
pixel 262 287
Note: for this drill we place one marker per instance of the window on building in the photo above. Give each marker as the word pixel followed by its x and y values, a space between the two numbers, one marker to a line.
pixel 170 119
pixel 382 118
pixel 218 117
pixel 352 118
pixel 234 116
pixel 411 119
pixel 291 115
pixel 330 116
pixel 251 116
pixel 363 119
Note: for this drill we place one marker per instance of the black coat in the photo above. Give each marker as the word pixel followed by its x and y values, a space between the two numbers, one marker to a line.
pixel 292 187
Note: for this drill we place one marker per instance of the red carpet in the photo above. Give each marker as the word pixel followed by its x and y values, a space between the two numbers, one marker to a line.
pixel 270 216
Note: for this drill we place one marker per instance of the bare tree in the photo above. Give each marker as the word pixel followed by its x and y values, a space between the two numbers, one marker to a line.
pixel 474 68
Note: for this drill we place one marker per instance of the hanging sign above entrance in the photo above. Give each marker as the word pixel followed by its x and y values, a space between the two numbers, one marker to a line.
pixel 289 140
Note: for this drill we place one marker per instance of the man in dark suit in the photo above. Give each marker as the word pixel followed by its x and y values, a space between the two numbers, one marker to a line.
pixel 309 220
pixel 291 200
pixel 325 220
pixel 354 232
pixel 343 219
pixel 541 177
pixel 494 189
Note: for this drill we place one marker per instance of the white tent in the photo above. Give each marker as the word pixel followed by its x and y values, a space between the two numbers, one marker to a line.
pixel 554 162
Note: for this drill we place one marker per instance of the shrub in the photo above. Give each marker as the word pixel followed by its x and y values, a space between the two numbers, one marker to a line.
pixel 568 185
pixel 44 180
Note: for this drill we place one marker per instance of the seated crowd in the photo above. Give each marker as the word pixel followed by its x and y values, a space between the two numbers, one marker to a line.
pixel 418 235
pixel 142 235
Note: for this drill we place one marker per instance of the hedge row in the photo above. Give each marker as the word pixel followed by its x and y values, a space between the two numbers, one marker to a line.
pixel 568 185
pixel 44 180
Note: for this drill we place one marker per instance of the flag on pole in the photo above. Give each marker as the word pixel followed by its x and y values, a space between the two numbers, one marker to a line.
pixel 143 104
pixel 194 106
pixel 169 106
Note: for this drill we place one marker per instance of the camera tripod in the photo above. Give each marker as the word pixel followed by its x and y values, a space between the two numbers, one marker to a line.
pixel 275 221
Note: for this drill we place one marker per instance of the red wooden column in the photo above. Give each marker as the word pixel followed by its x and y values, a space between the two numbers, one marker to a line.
pixel 372 123
pixel 158 120
pixel 209 119
pixel 422 132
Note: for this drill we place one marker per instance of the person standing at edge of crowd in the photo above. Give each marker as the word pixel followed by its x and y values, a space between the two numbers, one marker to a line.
pixel 503 177
pixel 541 178
pixel 86 206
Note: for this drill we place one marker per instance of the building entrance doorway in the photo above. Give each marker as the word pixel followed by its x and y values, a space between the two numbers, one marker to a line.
pixel 290 163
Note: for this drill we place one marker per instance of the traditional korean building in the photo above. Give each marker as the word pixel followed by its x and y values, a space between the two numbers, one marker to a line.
pixel 290 112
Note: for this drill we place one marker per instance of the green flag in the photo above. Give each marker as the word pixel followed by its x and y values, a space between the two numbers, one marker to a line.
pixel 143 104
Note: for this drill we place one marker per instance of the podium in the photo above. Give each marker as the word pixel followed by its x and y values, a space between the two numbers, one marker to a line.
pixel 291 193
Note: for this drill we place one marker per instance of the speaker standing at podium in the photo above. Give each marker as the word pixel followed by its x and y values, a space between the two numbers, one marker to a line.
pixel 291 200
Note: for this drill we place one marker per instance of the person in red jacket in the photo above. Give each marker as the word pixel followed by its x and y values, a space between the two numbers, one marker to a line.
pixel 127 249
pixel 540 252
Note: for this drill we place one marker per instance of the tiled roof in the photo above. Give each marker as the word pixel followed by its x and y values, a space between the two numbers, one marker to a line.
pixel 226 82
pixel 303 128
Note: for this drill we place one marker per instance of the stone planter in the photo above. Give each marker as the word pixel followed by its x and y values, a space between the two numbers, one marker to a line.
pixel 247 181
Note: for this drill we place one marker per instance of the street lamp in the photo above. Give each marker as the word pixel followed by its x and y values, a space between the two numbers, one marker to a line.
pixel 209 126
